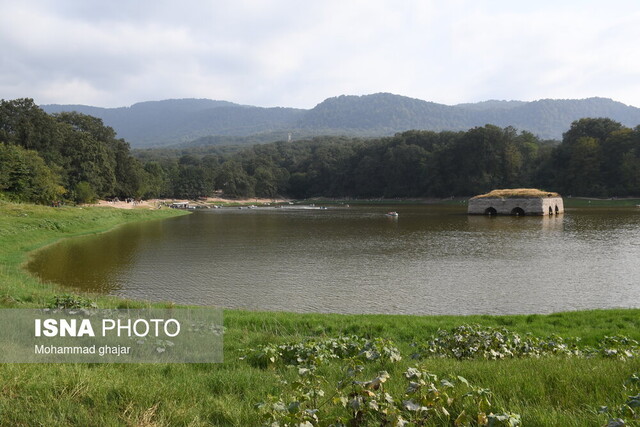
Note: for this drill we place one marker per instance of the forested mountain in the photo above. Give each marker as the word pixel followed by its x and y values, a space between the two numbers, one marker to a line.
pixel 158 123
pixel 202 121
pixel 47 158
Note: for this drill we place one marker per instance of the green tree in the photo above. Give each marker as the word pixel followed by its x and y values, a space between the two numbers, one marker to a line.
pixel 24 176
pixel 156 184
pixel 25 124
pixel 587 160
pixel 86 159
pixel 266 183
pixel 405 170
pixel 130 176
pixel 84 193
pixel 597 128
pixel 95 155
pixel 583 169
pixel 234 180
pixel 368 176
pixel 630 171
pixel 210 165
pixel 189 182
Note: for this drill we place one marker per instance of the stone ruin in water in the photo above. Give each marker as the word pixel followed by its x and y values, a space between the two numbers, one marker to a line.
pixel 519 201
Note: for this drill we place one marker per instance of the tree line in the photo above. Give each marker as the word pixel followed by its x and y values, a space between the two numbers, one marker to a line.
pixel 71 156
pixel 46 158
pixel 596 157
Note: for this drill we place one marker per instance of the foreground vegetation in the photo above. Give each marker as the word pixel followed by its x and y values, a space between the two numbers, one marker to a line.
pixel 355 369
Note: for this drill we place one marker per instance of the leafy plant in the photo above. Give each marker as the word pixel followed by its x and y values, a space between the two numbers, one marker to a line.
pixel 619 347
pixel 480 342
pixel 313 352
pixel 629 412
pixel 66 301
pixel 426 401
pixel 443 401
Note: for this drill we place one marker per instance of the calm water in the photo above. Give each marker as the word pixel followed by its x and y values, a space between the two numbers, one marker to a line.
pixel 430 260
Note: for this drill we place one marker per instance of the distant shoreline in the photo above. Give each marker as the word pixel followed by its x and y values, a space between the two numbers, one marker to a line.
pixel 209 201
pixel 221 201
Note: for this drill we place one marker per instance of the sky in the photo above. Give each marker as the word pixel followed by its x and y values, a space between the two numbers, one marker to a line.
pixel 293 53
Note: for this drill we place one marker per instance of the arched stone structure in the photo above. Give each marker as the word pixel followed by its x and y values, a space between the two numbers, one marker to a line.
pixel 516 202
pixel 518 211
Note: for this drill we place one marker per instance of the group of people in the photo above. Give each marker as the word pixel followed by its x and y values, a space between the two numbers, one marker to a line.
pixel 127 200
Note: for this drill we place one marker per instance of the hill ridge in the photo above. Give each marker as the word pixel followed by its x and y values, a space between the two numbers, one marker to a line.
pixel 176 121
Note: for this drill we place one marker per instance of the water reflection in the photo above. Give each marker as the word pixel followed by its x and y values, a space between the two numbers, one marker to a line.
pixel 96 263
pixel 515 223
pixel 430 260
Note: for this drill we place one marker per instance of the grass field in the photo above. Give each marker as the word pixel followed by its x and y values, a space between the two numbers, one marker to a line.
pixel 549 390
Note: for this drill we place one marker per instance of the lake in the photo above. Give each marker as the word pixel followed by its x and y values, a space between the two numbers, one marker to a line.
pixel 431 259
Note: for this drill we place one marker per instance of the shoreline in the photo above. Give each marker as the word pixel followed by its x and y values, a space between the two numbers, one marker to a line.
pixel 27 228
pixel 206 202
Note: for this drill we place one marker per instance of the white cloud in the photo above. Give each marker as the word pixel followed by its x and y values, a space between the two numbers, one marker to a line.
pixel 298 53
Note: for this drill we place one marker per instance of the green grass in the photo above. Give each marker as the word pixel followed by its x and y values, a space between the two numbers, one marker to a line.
pixel 547 391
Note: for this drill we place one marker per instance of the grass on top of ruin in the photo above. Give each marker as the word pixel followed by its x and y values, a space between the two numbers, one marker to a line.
pixel 514 193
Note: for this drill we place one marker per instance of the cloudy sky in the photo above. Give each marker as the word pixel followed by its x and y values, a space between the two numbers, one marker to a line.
pixel 296 53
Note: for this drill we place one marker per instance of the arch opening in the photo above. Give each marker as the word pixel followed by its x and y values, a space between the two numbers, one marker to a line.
pixel 490 211
pixel 557 210
pixel 550 210
pixel 517 211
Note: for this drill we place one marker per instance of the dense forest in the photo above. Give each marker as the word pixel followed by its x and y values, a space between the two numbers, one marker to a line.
pixel 46 158
pixel 71 156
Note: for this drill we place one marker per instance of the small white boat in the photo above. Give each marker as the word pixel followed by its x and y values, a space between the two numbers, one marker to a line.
pixel 393 213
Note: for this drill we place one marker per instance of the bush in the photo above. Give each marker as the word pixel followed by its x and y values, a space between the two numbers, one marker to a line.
pixel 84 193
pixel 67 301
